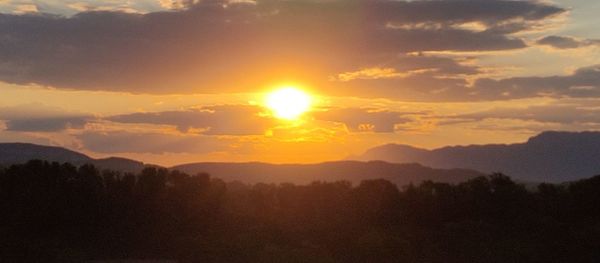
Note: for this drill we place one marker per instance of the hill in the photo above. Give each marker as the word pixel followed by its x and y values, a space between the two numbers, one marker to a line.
pixel 17 153
pixel 400 174
pixel 13 153
pixel 547 157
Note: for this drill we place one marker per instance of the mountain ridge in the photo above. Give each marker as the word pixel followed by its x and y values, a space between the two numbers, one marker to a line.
pixel 251 172
pixel 551 156
pixel 547 157
pixel 15 153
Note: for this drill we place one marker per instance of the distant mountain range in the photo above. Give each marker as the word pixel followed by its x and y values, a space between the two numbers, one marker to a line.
pixel 355 172
pixel 15 153
pixel 401 174
pixel 547 157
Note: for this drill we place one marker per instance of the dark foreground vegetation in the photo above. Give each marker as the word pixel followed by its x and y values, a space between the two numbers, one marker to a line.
pixel 57 212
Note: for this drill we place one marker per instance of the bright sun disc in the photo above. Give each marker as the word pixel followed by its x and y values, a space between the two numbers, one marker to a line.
pixel 288 103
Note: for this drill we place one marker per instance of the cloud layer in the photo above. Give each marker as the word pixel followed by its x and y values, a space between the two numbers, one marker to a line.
pixel 364 120
pixel 243 120
pixel 563 42
pixel 213 120
pixel 153 143
pixel 40 118
pixel 584 82
pixel 237 46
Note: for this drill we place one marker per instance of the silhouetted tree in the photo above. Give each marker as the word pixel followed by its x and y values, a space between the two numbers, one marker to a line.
pixel 59 212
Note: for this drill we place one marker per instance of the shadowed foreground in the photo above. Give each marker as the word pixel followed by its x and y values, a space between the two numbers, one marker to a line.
pixel 58 212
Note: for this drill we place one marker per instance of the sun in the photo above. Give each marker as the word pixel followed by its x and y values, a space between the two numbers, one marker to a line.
pixel 288 103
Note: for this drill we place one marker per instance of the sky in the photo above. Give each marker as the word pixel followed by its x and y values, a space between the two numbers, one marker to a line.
pixel 176 81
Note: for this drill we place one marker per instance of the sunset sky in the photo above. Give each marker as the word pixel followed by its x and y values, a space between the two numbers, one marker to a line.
pixel 170 82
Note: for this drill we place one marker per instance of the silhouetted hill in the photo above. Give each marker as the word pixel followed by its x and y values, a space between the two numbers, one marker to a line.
pixel 13 153
pixel 17 153
pixel 400 174
pixel 549 156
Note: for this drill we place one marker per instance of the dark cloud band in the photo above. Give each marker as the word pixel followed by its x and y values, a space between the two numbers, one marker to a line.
pixel 222 46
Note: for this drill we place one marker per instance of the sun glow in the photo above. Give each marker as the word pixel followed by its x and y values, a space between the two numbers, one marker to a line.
pixel 288 103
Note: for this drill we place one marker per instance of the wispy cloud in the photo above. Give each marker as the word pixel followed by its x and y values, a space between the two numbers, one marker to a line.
pixel 212 120
pixel 565 42
pixel 40 118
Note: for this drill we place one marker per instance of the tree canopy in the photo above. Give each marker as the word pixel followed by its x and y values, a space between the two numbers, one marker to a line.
pixel 60 212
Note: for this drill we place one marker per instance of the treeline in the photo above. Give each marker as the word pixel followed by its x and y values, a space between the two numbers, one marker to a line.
pixel 59 212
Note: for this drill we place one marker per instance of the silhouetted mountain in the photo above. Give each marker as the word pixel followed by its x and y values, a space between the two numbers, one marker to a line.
pixel 17 153
pixel 400 174
pixel 549 156
pixel 13 153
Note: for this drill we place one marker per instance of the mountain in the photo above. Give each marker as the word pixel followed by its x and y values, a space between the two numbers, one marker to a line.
pixel 15 153
pixel 547 157
pixel 11 153
pixel 353 171
pixel 401 174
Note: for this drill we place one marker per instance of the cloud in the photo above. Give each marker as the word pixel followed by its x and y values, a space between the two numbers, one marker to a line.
pixel 408 65
pixel 244 120
pixel 11 137
pixel 441 65
pixel 41 118
pixel 363 120
pixel 428 86
pixel 489 13
pixel 69 7
pixel 562 42
pixel 238 46
pixel 584 82
pixel 153 143
pixel 46 124
pixel 26 8
pixel 213 120
pixel 177 4
pixel 418 86
pixel 558 114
